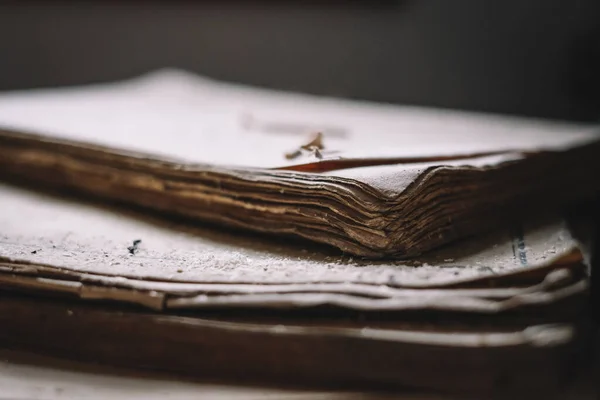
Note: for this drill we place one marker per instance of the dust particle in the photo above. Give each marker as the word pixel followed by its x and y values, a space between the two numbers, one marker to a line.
pixel 134 248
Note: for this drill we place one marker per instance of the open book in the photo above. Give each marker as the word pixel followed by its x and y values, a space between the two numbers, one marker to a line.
pixel 371 180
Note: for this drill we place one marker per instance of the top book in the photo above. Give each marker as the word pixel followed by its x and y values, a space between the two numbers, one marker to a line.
pixel 373 180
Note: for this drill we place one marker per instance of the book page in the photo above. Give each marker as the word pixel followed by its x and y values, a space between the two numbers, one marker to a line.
pixel 181 116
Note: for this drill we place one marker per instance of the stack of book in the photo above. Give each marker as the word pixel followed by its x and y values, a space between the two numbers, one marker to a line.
pixel 426 244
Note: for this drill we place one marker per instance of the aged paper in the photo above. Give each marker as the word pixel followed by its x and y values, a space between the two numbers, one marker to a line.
pixel 382 181
pixel 181 116
pixel 48 243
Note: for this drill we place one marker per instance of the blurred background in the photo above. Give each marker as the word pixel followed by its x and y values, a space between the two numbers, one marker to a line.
pixel 528 57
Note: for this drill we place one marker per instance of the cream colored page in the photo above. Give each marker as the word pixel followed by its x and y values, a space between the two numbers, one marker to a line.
pixel 40 229
pixel 180 115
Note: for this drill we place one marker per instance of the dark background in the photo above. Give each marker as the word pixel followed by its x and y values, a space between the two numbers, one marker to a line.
pixel 537 57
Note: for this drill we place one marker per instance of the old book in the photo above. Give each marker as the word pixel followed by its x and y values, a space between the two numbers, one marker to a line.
pixel 148 289
pixel 111 285
pixel 55 245
pixel 371 180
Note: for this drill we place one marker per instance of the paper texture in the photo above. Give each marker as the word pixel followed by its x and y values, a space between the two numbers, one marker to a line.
pixel 184 117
